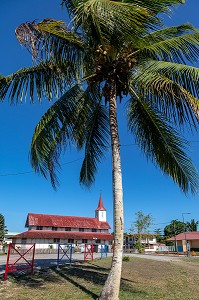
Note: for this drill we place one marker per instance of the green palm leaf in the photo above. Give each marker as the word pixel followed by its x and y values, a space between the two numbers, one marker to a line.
pixel 162 144
pixel 96 136
pixel 77 117
pixel 156 6
pixel 106 19
pixel 47 79
pixel 53 133
pixel 175 101
pixel 180 48
pixel 164 34
pixel 185 76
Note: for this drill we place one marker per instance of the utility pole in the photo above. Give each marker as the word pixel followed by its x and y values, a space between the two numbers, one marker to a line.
pixel 176 246
pixel 185 232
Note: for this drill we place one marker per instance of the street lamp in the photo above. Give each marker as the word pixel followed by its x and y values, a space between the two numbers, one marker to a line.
pixel 185 230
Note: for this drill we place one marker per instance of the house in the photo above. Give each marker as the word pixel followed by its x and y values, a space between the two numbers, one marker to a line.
pixel 8 237
pixel 49 230
pixel 186 241
pixel 147 239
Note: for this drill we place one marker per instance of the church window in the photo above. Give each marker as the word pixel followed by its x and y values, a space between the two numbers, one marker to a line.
pixel 56 240
pixel 39 227
pixel 67 228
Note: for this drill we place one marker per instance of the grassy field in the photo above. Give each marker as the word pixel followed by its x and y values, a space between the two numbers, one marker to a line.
pixel 141 279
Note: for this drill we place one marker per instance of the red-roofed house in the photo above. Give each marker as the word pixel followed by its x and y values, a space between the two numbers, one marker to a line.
pixel 46 230
pixel 186 241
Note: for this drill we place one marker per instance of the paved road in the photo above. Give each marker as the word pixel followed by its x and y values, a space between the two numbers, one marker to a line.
pixel 44 260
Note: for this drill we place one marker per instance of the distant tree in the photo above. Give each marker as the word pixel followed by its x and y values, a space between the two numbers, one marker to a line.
pixel 192 226
pixel 3 229
pixel 142 223
pixel 158 234
pixel 174 228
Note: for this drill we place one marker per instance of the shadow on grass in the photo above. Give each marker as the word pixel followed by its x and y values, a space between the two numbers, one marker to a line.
pixel 75 282
pixel 77 275
pixel 37 280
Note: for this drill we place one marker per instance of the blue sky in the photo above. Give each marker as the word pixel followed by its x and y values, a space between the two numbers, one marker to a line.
pixel 145 188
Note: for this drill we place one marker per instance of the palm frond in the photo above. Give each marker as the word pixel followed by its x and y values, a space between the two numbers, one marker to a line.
pixel 106 19
pixel 96 136
pixel 162 144
pixel 78 118
pixel 50 38
pixel 156 6
pixel 70 5
pixel 186 76
pixel 54 133
pixel 165 33
pixel 179 49
pixel 176 100
pixel 47 79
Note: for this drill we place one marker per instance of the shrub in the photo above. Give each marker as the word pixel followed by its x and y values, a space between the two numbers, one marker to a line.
pixel 126 258
pixel 139 247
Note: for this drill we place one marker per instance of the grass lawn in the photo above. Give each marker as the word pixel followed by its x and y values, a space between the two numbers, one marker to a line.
pixel 141 279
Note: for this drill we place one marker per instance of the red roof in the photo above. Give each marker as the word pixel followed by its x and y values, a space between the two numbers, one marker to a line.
pixel 194 235
pixel 47 234
pixel 64 221
pixel 100 204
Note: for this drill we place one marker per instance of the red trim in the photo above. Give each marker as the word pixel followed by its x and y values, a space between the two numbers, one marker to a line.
pixel 47 234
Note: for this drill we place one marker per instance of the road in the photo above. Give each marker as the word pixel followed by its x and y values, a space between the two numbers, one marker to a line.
pixel 44 260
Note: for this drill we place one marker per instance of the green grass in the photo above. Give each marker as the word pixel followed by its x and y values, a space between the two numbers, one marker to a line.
pixel 141 279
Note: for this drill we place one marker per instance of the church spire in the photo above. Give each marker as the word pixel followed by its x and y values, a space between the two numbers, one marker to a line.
pixel 100 212
pixel 100 204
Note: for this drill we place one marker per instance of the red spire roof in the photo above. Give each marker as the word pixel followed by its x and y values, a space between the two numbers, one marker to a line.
pixel 100 204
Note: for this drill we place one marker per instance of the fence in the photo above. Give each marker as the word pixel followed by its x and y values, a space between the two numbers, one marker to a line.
pixel 19 258
pixel 88 252
pixel 64 253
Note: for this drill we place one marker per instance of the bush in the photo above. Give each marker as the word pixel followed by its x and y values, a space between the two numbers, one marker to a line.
pixel 126 258
pixel 139 247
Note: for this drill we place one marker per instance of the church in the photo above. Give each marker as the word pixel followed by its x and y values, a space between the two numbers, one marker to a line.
pixel 49 230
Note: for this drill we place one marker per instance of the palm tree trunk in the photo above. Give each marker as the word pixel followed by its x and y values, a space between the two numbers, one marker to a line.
pixel 112 285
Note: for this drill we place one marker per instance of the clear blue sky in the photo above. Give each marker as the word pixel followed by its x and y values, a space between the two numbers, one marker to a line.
pixel 145 188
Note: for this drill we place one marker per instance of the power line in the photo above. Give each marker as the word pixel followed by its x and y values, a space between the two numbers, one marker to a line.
pixel 72 161
pixel 15 174
pixel 29 172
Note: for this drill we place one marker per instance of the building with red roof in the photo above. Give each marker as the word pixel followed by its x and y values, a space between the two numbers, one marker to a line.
pixel 186 241
pixel 46 230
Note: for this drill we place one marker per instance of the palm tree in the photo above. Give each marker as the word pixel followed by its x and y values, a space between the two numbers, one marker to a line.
pixel 113 49
pixel 192 226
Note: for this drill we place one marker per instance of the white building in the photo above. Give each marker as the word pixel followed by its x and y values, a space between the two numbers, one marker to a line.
pixel 49 230
pixel 148 240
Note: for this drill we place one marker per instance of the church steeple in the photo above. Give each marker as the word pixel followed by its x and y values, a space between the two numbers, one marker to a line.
pixel 100 212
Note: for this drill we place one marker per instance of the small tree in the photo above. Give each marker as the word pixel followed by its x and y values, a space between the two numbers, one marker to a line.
pixel 174 228
pixel 3 229
pixel 142 223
